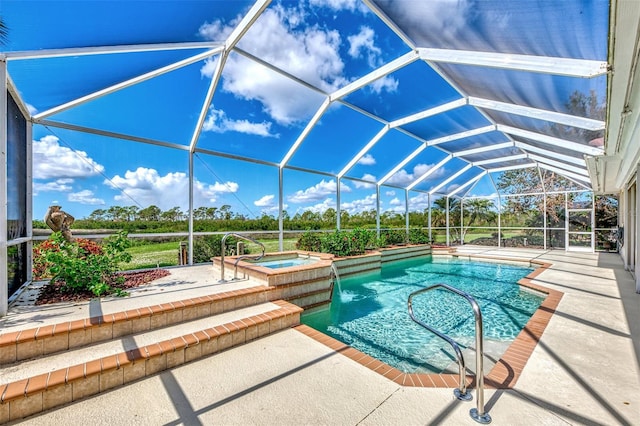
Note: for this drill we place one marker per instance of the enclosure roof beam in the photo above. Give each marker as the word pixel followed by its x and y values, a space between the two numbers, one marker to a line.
pixel 514 167
pixel 314 120
pixel 430 172
pixel 247 21
pixel 450 179
pixel 550 140
pixel 499 159
pixel 122 136
pixel 539 64
pixel 462 135
pixel 540 114
pixel 109 50
pixel 380 72
pixel 364 150
pixel 559 164
pixel 403 163
pixel 468 183
pixel 566 158
pixel 564 172
pixel 128 83
pixel 429 112
pixel 485 148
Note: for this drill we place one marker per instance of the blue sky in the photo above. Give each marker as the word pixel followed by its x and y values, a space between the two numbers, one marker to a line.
pixel 255 112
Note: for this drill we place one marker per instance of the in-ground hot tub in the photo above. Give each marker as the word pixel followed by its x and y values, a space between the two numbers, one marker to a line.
pixel 301 277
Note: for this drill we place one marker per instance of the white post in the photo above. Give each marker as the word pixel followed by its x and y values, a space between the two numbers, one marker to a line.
pixel 338 211
pixel 447 225
pixel 429 217
pixel 406 212
pixel 190 238
pixel 4 271
pixel 378 210
pixel 29 209
pixel 280 209
pixel 461 221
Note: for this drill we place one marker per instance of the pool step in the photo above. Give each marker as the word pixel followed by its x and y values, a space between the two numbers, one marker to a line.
pixel 37 384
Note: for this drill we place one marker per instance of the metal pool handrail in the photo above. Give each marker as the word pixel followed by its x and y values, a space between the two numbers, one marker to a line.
pixel 223 246
pixel 478 414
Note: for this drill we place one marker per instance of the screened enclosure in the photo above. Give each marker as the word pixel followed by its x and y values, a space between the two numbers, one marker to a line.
pixel 478 122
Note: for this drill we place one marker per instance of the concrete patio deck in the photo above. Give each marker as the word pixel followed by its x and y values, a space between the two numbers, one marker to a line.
pixel 584 370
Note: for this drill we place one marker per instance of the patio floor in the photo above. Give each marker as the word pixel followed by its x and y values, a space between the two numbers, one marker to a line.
pixel 584 370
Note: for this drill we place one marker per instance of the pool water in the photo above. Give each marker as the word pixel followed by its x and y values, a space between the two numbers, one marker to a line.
pixel 369 312
pixel 285 263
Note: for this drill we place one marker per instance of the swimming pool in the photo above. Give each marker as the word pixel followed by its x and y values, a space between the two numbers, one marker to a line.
pixel 369 312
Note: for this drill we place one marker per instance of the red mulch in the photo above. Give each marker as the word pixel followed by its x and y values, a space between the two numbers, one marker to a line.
pixel 51 293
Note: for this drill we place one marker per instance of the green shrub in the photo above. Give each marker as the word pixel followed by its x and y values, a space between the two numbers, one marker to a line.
pixel 309 241
pixel 418 236
pixel 79 266
pixel 393 236
pixel 207 246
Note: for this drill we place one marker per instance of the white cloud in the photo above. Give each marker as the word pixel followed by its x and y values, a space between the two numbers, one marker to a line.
pixel 59 185
pixel 328 203
pixel 268 204
pixel 32 110
pixel 396 202
pixel 390 193
pixel 357 206
pixel 266 201
pixel 317 192
pixel 403 178
pixel 338 5
pixel 147 187
pixel 359 184
pixel 218 122
pixel 363 45
pixel 419 202
pixel 446 18
pixel 367 160
pixel 86 197
pixel 53 161
pixel 387 84
pixel 278 36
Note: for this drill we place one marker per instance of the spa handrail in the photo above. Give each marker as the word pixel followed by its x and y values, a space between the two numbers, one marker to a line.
pixel 223 247
pixel 478 414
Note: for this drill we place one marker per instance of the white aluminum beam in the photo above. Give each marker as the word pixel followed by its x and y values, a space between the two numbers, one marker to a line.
pixel 430 172
pixel 540 114
pixel 243 26
pixel 466 184
pixel 389 22
pixel 429 112
pixel 450 179
pixel 485 148
pixel 402 164
pixel 109 50
pixel 4 264
pixel 461 135
pixel 559 164
pixel 384 70
pixel 204 110
pixel 550 140
pixel 515 167
pixel 108 134
pixel 127 83
pixel 566 158
pixel 565 173
pixel 364 150
pixel 499 159
pixel 305 132
pixel 539 64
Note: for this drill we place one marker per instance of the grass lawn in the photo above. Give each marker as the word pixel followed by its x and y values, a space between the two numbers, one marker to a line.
pixel 166 254
pixel 152 256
